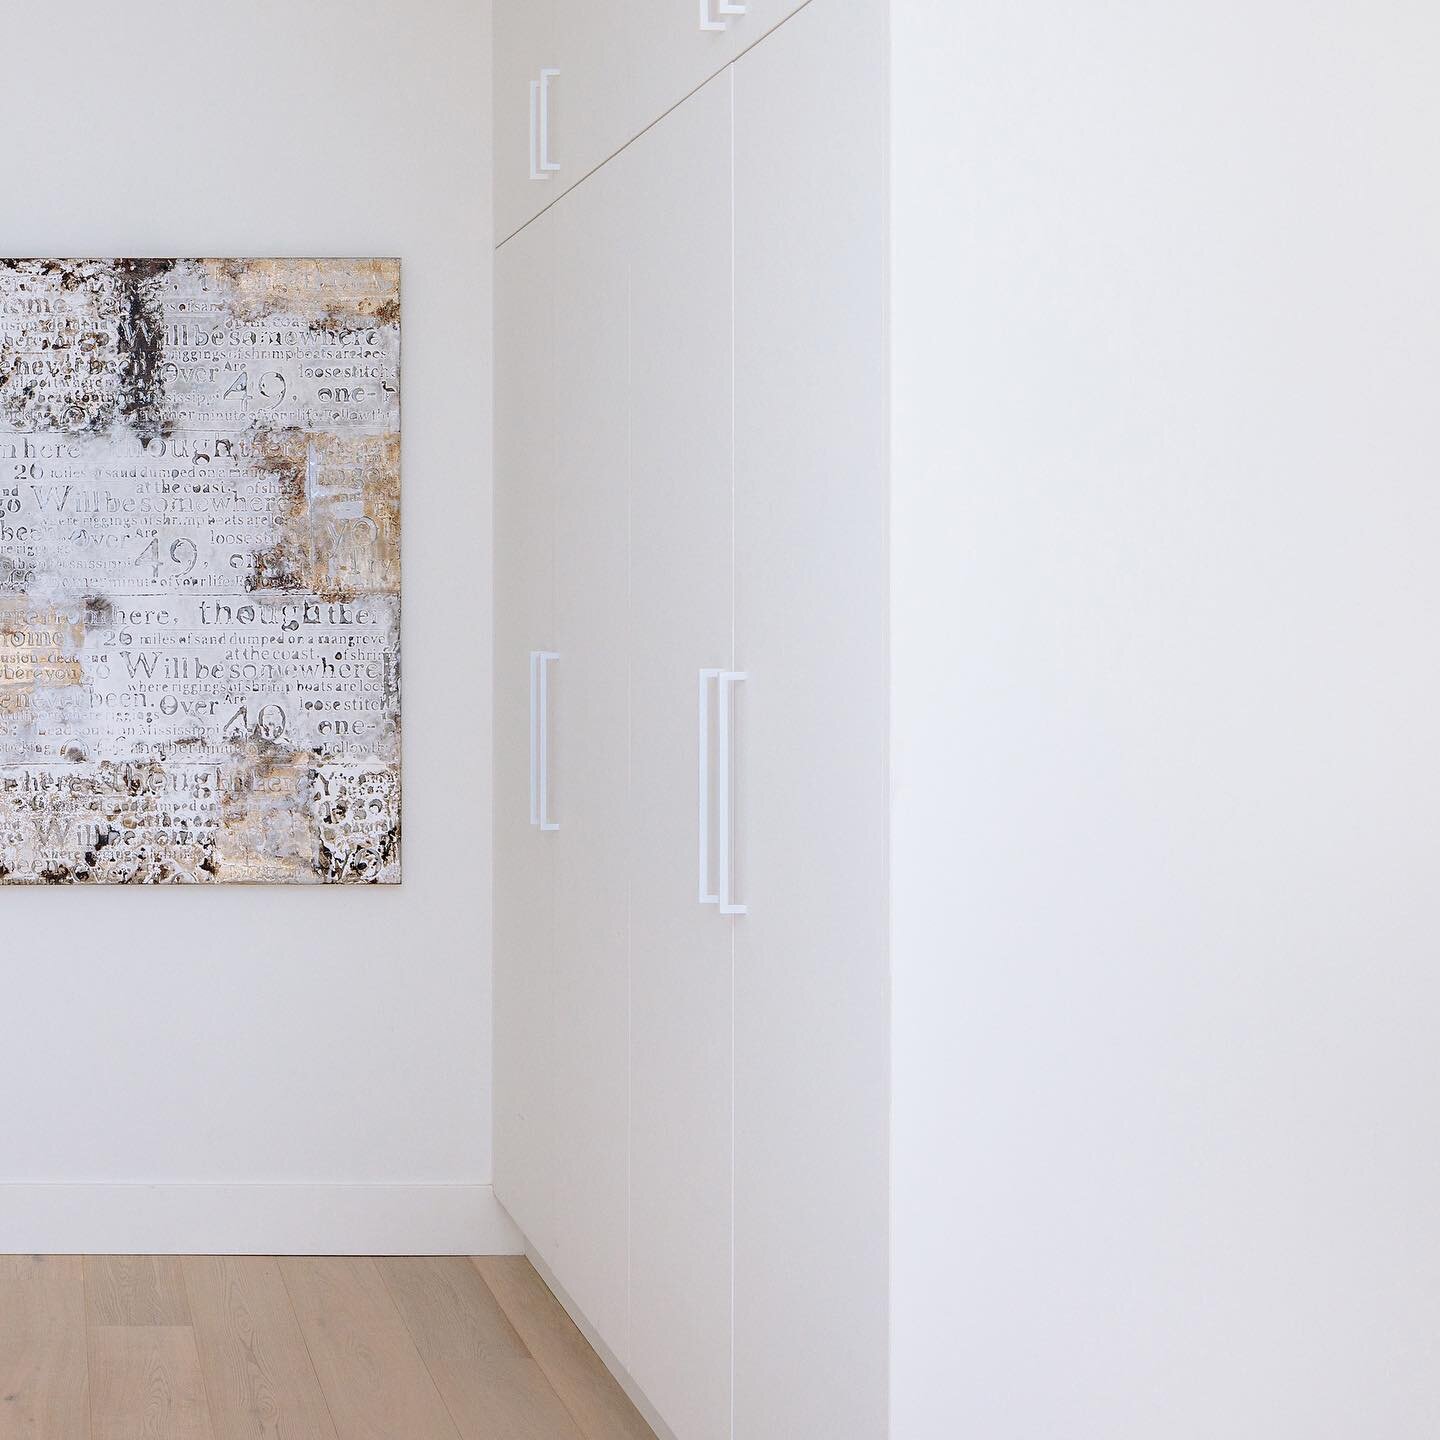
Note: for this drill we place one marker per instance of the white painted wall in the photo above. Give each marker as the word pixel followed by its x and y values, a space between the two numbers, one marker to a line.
pixel 310 1038
pixel 1166 526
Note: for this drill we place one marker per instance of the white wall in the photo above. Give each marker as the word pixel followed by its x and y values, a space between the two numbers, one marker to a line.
pixel 308 1038
pixel 1166 526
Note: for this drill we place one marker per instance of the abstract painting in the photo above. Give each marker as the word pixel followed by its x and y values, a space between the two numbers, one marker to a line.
pixel 199 571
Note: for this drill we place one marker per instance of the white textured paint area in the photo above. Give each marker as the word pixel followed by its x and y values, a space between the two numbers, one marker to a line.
pixel 303 1034
pixel 1166 517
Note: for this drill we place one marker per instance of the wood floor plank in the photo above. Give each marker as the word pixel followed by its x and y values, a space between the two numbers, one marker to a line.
pixel 145 1384
pixel 491 1384
pixel 601 1409
pixel 135 1290
pixel 372 1376
pixel 257 1372
pixel 44 1392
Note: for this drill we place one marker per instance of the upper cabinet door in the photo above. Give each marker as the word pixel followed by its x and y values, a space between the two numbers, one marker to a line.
pixel 526 142
pixel 811 1071
pixel 681 951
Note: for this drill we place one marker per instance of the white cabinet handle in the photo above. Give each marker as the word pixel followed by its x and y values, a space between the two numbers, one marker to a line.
pixel 541 165
pixel 724 894
pixel 534 751
pixel 540 738
pixel 703 808
pixel 546 656
pixel 723 8
pixel 724 745
pixel 535 131
pixel 546 163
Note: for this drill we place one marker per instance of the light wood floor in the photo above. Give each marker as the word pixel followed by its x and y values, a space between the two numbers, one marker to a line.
pixel 258 1348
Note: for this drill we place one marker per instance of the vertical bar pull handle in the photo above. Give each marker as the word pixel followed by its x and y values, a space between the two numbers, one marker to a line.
pixel 706 23
pixel 707 896
pixel 724 893
pixel 724 784
pixel 535 131
pixel 534 749
pixel 546 163
pixel 542 807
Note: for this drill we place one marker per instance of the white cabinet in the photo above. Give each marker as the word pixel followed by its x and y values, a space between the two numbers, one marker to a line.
pixel 617 68
pixel 811 1059
pixel 590 734
pixel 524 624
pixel 561 903
pixel 706 1175
pixel 677 177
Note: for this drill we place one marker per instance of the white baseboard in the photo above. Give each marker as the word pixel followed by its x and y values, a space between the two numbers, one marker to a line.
pixel 141 1219
pixel 626 1381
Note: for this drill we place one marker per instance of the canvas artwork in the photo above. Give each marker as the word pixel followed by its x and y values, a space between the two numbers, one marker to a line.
pixel 199 571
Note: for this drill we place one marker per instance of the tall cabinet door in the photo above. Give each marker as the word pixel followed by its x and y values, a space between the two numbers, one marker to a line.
pixel 591 739
pixel 811 1072
pixel 678 177
pixel 524 623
